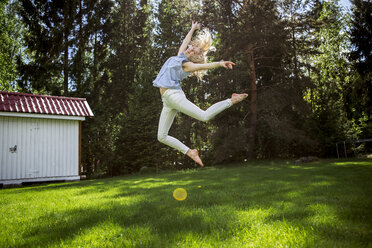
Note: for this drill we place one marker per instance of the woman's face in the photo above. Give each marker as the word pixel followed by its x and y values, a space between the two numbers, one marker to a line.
pixel 191 51
pixel 194 54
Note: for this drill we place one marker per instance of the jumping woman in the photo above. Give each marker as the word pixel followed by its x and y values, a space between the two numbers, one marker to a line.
pixel 190 60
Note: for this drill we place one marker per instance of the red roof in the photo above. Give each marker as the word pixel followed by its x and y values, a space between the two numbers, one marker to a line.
pixel 39 104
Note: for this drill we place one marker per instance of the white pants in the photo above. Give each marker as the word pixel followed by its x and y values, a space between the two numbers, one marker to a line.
pixel 175 101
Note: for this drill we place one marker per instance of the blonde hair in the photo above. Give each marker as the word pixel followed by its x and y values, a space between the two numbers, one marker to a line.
pixel 203 40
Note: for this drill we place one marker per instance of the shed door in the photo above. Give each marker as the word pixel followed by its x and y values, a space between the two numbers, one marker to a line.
pixel 19 139
pixel 53 148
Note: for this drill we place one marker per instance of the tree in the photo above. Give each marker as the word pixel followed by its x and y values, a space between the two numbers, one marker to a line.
pixel 93 78
pixel 136 145
pixel 50 26
pixel 252 34
pixel 361 56
pixel 361 33
pixel 330 79
pixel 358 95
pixel 11 33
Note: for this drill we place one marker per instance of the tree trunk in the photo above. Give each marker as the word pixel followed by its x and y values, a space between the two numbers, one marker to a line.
pixel 294 52
pixel 80 51
pixel 65 57
pixel 253 101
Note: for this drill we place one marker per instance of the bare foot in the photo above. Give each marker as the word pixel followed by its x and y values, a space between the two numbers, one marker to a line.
pixel 235 98
pixel 194 155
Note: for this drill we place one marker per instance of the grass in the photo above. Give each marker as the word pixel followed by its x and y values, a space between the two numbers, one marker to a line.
pixel 266 204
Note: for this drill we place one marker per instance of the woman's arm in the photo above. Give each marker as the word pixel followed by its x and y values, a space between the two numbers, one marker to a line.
pixel 188 37
pixel 190 66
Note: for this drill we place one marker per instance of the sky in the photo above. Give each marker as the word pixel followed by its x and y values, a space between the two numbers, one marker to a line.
pixel 345 3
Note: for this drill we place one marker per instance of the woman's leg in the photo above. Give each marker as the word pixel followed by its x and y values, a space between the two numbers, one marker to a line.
pixel 165 122
pixel 190 109
pixel 176 100
pixel 181 103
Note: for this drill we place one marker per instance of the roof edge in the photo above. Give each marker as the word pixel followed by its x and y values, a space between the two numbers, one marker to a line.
pixel 43 116
pixel 47 96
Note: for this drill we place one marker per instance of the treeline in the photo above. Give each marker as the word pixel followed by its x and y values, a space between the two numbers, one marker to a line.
pixel 305 64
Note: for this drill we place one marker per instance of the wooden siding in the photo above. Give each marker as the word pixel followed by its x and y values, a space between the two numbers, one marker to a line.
pixel 45 148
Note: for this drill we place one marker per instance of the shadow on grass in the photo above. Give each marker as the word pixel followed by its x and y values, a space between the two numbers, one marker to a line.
pixel 165 219
pixel 330 198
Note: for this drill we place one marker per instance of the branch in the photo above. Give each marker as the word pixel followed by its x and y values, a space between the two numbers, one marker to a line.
pixel 262 57
pixel 267 66
pixel 261 88
pixel 259 47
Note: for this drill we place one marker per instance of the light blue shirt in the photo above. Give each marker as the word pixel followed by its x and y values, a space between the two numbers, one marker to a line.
pixel 171 74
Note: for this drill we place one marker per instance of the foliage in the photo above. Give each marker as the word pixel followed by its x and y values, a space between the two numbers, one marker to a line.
pixel 11 32
pixel 305 92
pixel 361 33
pixel 330 77
pixel 359 94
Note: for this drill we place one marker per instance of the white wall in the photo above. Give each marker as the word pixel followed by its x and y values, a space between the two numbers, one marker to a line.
pixel 45 148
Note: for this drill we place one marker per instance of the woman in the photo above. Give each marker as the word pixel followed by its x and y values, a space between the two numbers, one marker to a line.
pixel 189 61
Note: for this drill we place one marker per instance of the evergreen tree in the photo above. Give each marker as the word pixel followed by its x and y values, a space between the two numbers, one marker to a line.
pixel 49 25
pixel 330 79
pixel 253 35
pixel 11 33
pixel 361 55
pixel 133 70
pixel 361 34
pixel 359 94
pixel 93 50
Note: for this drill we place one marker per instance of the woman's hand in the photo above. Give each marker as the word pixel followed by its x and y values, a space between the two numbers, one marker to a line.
pixel 195 25
pixel 227 64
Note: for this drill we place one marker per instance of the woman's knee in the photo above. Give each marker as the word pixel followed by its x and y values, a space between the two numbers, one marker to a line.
pixel 205 117
pixel 200 115
pixel 162 137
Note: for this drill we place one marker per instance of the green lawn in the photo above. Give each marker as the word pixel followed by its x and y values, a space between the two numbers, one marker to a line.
pixel 263 204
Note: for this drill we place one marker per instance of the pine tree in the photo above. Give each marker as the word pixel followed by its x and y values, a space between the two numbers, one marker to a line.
pixel 136 144
pixel 50 26
pixel 361 34
pixel 251 34
pixel 359 96
pixel 11 34
pixel 331 78
pixel 92 46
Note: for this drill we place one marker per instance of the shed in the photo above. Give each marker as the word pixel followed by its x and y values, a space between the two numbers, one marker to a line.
pixel 40 137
